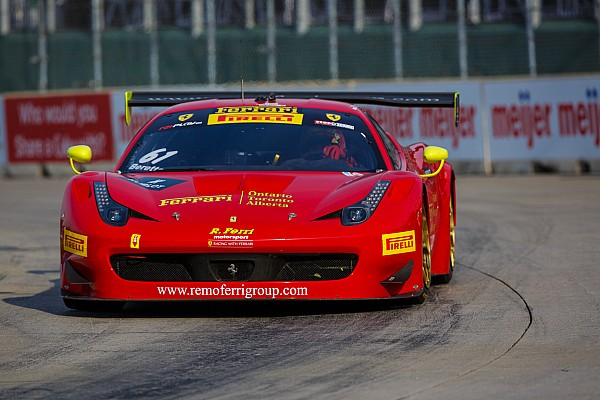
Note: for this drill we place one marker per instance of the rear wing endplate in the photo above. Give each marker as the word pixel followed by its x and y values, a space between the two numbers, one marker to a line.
pixel 419 99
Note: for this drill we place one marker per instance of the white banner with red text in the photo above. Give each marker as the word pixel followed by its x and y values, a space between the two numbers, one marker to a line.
pixel 500 120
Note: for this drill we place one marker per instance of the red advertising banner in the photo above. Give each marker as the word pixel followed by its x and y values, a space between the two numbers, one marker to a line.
pixel 42 128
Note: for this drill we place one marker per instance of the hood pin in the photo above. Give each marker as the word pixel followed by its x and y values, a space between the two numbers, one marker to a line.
pixel 176 215
pixel 291 215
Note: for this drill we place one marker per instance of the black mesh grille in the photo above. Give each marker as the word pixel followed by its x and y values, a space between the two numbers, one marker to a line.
pixel 234 267
pixel 136 269
pixel 316 269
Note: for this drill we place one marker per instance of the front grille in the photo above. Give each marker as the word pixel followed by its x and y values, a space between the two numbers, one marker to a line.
pixel 234 267
pixel 142 269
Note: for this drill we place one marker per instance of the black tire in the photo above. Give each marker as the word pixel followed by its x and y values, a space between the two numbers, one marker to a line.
pixel 94 305
pixel 426 263
pixel 446 278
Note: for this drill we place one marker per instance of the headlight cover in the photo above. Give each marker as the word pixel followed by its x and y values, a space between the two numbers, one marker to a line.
pixel 361 211
pixel 110 211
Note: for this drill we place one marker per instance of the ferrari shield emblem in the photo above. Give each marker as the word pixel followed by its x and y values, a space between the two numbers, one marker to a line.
pixel 333 117
pixel 135 241
pixel 184 117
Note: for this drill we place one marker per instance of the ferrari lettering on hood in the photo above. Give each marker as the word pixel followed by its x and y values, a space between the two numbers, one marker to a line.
pixel 194 200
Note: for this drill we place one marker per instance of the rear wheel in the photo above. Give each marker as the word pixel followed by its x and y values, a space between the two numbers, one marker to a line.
pixel 448 277
pixel 94 305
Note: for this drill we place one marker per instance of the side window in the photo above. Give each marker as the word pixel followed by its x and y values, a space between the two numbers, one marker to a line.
pixel 389 146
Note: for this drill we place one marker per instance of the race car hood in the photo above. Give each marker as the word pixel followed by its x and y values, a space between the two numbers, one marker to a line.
pixel 253 197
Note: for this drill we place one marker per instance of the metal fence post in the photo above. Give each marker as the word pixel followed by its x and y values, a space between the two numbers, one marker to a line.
pixel 42 47
pixel 399 68
pixel 359 15
pixel 598 22
pixel 4 17
pixel 462 39
pixel 530 39
pixel 271 50
pixel 197 18
pixel 211 41
pixel 97 41
pixel 333 40
pixel 150 24
pixel 302 16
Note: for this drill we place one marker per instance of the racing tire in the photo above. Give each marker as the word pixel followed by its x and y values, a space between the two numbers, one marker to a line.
pixel 446 278
pixel 94 305
pixel 426 260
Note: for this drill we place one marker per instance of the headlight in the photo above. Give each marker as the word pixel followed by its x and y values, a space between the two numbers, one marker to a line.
pixel 110 211
pixel 360 212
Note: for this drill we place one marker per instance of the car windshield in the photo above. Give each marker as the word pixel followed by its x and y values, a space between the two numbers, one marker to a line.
pixel 255 138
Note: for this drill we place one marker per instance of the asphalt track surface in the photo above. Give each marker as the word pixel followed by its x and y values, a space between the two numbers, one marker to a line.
pixel 520 319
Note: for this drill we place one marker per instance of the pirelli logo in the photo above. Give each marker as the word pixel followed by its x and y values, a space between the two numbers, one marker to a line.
pixel 74 243
pixel 400 242
pixel 218 119
pixel 264 114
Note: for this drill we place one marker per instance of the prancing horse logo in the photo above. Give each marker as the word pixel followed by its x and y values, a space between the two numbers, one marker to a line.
pixel 232 269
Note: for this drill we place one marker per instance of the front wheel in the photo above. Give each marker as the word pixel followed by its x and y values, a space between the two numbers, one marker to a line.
pixel 426 259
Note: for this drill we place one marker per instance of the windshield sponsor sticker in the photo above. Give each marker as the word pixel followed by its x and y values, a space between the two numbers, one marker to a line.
pixel 397 243
pixel 195 199
pixel 334 124
pixel 269 114
pixel 265 109
pixel 181 125
pixel 74 243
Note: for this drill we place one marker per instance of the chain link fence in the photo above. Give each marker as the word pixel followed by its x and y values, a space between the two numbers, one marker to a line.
pixel 61 44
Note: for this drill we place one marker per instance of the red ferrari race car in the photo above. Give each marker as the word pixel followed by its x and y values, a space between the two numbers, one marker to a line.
pixel 248 196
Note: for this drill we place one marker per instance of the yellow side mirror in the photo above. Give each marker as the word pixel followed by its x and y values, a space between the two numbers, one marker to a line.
pixel 433 154
pixel 80 153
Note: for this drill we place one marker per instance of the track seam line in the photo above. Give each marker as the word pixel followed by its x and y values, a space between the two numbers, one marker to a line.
pixel 459 376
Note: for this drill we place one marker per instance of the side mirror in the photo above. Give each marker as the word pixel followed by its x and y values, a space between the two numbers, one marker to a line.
pixel 433 154
pixel 81 154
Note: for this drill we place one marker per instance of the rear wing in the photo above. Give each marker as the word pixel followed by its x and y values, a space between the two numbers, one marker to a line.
pixel 167 99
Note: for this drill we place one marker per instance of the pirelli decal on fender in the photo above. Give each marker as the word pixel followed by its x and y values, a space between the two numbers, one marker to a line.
pixel 400 242
pixel 74 243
